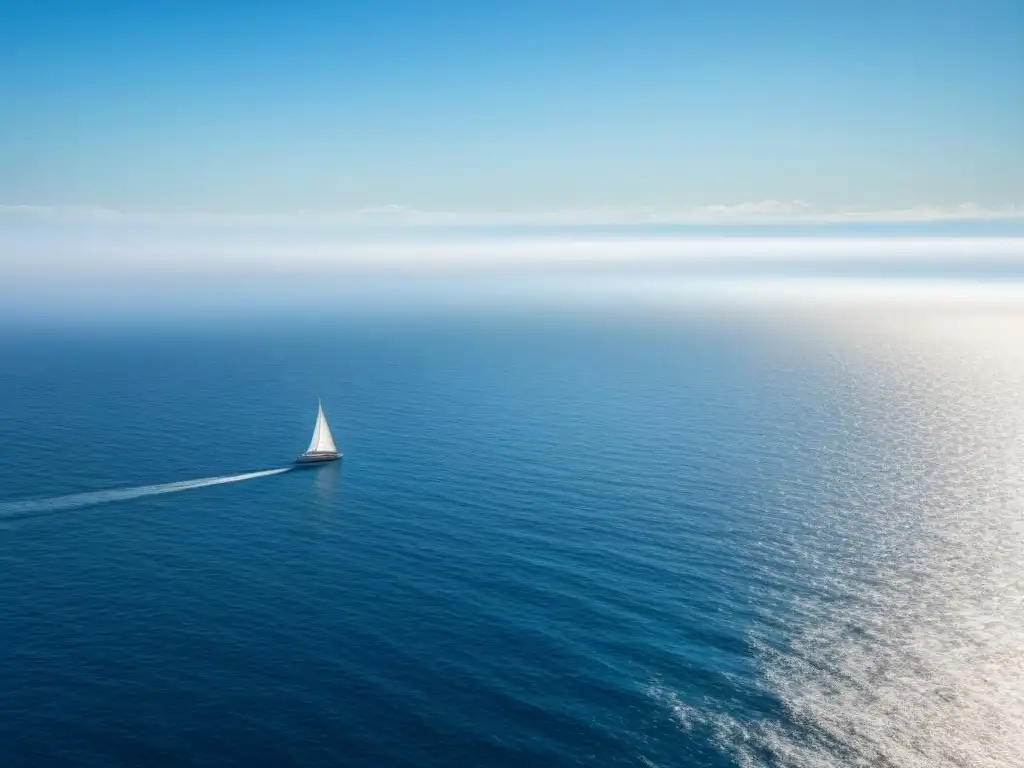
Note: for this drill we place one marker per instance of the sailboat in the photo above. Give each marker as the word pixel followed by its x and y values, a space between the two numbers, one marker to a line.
pixel 321 448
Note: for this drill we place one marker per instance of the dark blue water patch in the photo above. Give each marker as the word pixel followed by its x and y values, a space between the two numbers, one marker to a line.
pixel 539 538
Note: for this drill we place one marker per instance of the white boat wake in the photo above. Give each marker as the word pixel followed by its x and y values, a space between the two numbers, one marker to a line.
pixel 10 509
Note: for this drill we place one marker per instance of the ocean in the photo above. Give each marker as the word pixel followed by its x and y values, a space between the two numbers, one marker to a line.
pixel 701 539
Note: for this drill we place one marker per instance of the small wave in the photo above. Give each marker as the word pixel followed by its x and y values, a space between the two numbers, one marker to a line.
pixel 747 744
pixel 9 509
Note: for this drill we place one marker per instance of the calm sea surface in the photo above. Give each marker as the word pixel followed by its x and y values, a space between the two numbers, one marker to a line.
pixel 553 542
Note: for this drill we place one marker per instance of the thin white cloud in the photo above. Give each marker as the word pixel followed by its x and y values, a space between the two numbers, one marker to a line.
pixel 765 211
pixel 116 253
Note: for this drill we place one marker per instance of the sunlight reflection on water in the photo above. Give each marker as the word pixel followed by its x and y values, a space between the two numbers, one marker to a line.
pixel 925 666
pixel 908 645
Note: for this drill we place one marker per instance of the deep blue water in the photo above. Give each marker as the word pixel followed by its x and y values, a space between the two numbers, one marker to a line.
pixel 550 542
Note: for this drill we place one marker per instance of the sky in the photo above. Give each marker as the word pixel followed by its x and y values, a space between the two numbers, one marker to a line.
pixel 169 153
pixel 526 107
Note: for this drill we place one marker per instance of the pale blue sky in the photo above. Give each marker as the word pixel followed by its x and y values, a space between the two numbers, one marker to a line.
pixel 530 106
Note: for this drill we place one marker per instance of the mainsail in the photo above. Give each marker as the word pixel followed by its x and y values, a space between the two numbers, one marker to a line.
pixel 322 440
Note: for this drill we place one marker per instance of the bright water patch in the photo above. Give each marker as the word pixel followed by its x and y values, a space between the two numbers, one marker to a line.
pixel 903 645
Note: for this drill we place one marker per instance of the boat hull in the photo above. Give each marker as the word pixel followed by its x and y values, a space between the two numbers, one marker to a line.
pixel 317 457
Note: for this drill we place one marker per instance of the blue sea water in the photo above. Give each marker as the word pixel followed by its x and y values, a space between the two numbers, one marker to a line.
pixel 682 541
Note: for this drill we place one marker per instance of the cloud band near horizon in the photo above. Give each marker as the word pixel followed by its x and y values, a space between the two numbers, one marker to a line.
pixel 764 211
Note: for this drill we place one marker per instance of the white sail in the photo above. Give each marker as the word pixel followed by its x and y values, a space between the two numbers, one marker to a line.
pixel 322 440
